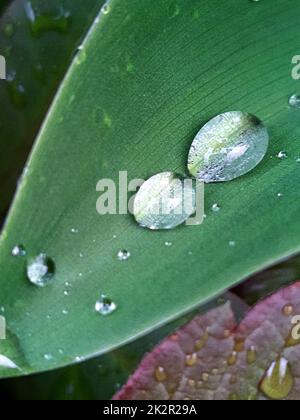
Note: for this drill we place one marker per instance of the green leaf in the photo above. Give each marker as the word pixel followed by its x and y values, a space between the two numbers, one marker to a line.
pixel 36 63
pixel 136 95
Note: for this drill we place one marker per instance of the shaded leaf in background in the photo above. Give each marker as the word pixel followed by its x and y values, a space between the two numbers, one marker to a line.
pixel 36 63
pixel 146 79
pixel 214 359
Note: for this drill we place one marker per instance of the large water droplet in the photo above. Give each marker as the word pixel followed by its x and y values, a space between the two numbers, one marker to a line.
pixel 105 306
pixel 41 270
pixel 164 201
pixel 278 380
pixel 228 146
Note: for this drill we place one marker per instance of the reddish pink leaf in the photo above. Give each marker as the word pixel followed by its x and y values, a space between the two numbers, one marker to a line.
pixel 213 358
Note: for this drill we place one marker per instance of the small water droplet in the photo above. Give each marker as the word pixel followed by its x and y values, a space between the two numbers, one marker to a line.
pixel 105 9
pixel 123 255
pixel 164 201
pixel 41 22
pixel 278 380
pixel 191 359
pixel 160 374
pixel 232 359
pixel 5 362
pixel 216 208
pixel 48 357
pixel 228 146
pixel 41 270
pixel 282 155
pixel 105 306
pixel 201 342
pixel 232 244
pixel 18 251
pixel 294 101
pixel 65 312
pixel 74 230
pixel 168 244
pixel 251 355
pixel 288 310
pixel 205 377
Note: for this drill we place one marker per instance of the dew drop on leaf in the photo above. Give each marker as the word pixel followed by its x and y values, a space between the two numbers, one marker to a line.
pixel 288 310
pixel 251 355
pixel 59 20
pixel 105 9
pixel 18 251
pixel 165 201
pixel 105 306
pixel 191 359
pixel 232 359
pixel 294 101
pixel 123 255
pixel 160 374
pixel 282 155
pixel 216 208
pixel 228 146
pixel 41 270
pixel 9 30
pixel 278 380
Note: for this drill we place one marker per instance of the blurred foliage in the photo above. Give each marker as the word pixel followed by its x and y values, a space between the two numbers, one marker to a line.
pixel 37 57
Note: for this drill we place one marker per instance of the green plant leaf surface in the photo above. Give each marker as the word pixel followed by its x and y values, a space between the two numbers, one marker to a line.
pixel 146 80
